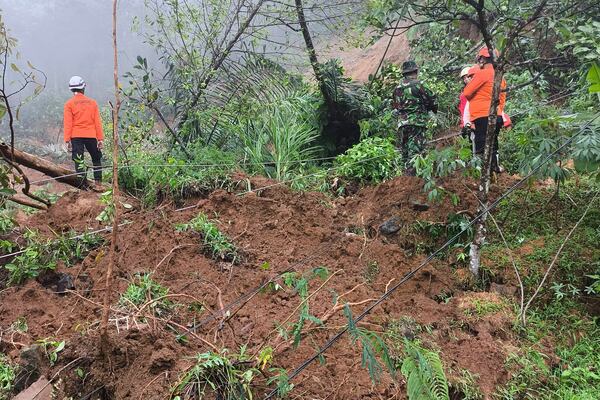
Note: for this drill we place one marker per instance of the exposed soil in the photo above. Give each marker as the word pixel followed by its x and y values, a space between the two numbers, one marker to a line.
pixel 287 230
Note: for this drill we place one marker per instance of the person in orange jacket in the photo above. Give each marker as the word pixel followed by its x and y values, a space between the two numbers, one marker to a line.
pixel 83 131
pixel 479 95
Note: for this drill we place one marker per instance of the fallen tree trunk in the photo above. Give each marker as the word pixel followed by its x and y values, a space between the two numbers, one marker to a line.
pixel 61 174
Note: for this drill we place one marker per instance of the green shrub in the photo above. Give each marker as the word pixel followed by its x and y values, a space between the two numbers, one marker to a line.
pixel 217 376
pixel 216 243
pixel 7 377
pixel 41 255
pixel 373 160
pixel 152 178
pixel 144 289
pixel 278 137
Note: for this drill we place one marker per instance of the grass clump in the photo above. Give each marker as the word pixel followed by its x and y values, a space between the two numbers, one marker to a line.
pixel 217 376
pixel 7 377
pixel 144 290
pixel 214 242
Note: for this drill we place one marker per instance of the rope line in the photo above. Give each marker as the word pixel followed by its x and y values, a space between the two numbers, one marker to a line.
pixel 129 166
pixel 412 273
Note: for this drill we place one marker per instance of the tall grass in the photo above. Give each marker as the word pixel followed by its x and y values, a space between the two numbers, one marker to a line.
pixel 280 135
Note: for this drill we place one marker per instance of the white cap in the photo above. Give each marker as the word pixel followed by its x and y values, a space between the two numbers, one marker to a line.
pixel 465 71
pixel 76 82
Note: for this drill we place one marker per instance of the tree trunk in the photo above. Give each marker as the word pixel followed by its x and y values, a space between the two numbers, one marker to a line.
pixel 310 48
pixel 115 195
pixel 39 164
pixel 486 175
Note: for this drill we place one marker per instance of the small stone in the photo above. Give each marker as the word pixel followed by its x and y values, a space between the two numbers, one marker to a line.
pixel 30 367
pixel 419 206
pixel 391 226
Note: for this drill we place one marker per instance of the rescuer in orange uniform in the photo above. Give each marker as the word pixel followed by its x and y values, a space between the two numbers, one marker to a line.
pixel 83 130
pixel 479 94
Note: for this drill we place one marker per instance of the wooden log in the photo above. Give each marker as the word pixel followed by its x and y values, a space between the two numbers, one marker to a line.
pixel 44 166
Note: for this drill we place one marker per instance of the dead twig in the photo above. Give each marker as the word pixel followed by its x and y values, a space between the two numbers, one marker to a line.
pixel 555 259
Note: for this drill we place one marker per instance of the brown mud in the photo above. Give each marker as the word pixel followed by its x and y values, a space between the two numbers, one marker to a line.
pixel 276 229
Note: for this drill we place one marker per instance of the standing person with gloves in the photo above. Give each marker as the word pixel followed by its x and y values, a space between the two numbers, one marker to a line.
pixel 83 131
pixel 412 102
pixel 479 95
pixel 463 108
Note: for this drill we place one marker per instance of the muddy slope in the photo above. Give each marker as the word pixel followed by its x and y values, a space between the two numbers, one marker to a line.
pixel 276 230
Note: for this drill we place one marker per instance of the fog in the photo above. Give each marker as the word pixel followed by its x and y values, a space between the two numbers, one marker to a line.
pixel 74 37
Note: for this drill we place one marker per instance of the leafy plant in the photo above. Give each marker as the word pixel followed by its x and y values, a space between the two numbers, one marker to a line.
pixel 52 348
pixel 445 162
pixel 218 375
pixel 40 255
pixel 281 379
pixel 372 160
pixel 108 213
pixel 300 284
pixel 7 377
pixel 372 346
pixel 144 290
pixel 425 377
pixel 216 243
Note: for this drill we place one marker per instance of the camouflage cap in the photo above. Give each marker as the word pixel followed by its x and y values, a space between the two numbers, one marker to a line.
pixel 409 66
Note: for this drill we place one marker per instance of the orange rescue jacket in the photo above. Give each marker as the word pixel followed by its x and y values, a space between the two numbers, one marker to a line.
pixel 479 92
pixel 82 118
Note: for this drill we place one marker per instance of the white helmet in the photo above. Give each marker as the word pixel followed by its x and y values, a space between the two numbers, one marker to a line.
pixel 465 71
pixel 76 82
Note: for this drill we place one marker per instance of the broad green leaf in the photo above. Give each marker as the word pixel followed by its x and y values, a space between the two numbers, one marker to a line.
pixel 593 77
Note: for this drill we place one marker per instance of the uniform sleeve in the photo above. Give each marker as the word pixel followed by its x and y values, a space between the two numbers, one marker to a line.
pixel 430 100
pixel 472 87
pixel 98 121
pixel 67 122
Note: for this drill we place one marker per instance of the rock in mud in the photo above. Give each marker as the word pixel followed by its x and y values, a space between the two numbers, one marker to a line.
pixel 419 206
pixel 60 282
pixel 30 367
pixel 391 226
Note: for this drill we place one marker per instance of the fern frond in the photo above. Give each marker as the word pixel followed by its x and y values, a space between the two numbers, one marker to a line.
pixel 424 371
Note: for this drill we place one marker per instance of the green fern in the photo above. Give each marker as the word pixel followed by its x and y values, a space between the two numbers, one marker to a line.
pixel 424 373
pixel 372 345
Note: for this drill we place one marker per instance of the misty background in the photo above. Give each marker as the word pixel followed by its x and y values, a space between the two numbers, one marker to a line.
pixel 74 37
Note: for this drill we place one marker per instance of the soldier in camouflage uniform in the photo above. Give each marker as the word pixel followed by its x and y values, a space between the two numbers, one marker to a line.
pixel 412 103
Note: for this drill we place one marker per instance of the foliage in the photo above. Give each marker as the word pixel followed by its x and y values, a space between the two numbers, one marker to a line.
pixel 281 379
pixel 425 378
pixel 373 160
pixel 279 136
pixel 442 163
pixel 40 255
pixel 226 377
pixel 7 376
pixel 216 243
pixel 482 307
pixel 144 290
pixel 52 348
pixel 300 284
pixel 372 346
pixel 153 178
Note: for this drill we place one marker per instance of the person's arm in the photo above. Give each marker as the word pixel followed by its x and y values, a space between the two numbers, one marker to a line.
pixel 430 101
pixel 467 115
pixel 98 121
pixel 67 123
pixel 472 87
